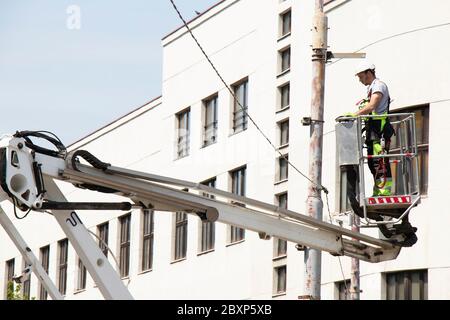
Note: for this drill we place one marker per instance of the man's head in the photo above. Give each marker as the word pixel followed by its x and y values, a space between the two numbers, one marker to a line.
pixel 365 72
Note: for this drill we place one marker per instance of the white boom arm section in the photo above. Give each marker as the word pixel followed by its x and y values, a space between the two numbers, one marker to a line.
pixel 27 174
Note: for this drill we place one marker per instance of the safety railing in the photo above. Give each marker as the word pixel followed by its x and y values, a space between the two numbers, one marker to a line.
pixel 403 161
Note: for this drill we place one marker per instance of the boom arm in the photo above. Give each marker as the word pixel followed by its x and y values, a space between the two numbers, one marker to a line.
pixel 27 177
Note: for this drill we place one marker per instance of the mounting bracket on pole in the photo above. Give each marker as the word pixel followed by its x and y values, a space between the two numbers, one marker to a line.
pixel 345 55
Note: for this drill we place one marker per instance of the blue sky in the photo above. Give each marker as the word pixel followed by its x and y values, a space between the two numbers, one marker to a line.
pixel 58 77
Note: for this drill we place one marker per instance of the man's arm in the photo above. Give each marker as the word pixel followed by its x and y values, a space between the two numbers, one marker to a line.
pixel 375 100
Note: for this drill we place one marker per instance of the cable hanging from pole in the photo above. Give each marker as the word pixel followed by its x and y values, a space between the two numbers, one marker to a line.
pixel 319 186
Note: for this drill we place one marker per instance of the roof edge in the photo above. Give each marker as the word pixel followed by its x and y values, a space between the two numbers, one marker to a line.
pixel 193 19
pixel 79 141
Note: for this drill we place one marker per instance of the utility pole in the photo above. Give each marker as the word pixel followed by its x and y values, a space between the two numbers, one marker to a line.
pixel 314 204
pixel 354 274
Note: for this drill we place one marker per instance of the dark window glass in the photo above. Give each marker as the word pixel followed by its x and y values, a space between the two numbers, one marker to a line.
pixel 124 240
pixel 102 231
pixel 240 106
pixel 208 228
pixel 183 133
pixel 181 224
pixel 237 187
pixel 63 249
pixel 45 260
pixel 407 285
pixel 285 59
pixel 147 239
pixel 286 23
pixel 280 279
pixel 210 121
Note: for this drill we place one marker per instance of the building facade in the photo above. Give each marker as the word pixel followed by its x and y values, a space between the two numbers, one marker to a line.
pixel 197 131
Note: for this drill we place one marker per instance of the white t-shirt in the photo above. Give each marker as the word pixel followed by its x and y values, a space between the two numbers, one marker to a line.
pixel 379 86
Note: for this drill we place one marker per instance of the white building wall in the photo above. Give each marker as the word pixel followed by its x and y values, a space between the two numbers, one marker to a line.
pixel 242 42
pixel 412 64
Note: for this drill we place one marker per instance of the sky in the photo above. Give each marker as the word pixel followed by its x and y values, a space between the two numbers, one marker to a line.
pixel 71 67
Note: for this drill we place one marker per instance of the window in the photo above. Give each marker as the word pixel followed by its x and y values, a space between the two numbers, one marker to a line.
pixel 44 253
pixel 343 290
pixel 237 187
pixel 9 272
pixel 284 94
pixel 181 224
pixel 284 132
pixel 63 248
pixel 240 106
pixel 285 23
pixel 210 121
pixel 285 56
pixel 183 133
pixel 282 200
pixel 26 283
pixel 422 114
pixel 280 280
pixel 407 285
pixel 81 276
pixel 280 246
pixel 208 228
pixel 124 243
pixel 102 232
pixel 147 239
pixel 282 168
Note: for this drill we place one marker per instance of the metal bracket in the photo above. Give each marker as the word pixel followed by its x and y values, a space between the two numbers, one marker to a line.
pixel 345 55
pixel 307 121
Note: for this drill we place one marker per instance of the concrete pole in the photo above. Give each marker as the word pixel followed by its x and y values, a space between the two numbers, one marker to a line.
pixel 354 280
pixel 314 204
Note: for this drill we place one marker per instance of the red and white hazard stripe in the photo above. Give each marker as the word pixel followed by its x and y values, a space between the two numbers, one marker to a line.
pixel 389 200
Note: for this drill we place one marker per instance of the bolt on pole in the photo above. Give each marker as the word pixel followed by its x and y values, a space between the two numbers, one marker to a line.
pixel 314 204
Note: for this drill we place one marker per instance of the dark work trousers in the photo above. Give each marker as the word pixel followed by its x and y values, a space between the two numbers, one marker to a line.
pixel 379 167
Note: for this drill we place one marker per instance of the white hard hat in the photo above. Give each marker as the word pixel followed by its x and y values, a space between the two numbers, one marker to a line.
pixel 363 66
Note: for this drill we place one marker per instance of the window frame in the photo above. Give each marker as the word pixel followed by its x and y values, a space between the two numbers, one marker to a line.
pixel 81 276
pixel 63 257
pixel 285 32
pixel 44 258
pixel 406 285
pixel 208 128
pixel 180 236
pixel 283 138
pixel 280 245
pixel 147 240
pixel 26 283
pixel 280 282
pixel 207 229
pixel 10 266
pixel 282 173
pixel 343 289
pixel 285 60
pixel 103 237
pixel 238 186
pixel 124 244
pixel 238 112
pixel 183 120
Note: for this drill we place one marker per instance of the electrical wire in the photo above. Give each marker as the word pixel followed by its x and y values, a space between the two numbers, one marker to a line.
pixel 109 250
pixel 394 36
pixel 319 186
pixel 106 246
pixel 347 292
